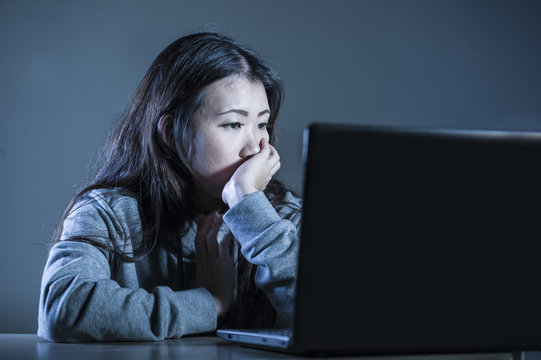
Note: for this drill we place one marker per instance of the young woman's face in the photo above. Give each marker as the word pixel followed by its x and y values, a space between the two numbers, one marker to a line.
pixel 227 130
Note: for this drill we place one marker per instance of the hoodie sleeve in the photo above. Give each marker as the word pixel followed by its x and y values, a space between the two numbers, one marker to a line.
pixel 81 301
pixel 269 239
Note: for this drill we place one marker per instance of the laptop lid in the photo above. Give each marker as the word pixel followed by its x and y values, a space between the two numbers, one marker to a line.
pixel 419 240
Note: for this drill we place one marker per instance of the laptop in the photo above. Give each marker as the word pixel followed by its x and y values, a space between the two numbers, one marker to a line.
pixel 416 240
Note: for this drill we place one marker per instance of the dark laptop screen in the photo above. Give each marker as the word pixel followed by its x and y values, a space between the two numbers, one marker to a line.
pixel 420 240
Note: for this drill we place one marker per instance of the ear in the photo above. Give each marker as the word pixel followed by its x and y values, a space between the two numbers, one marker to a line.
pixel 165 129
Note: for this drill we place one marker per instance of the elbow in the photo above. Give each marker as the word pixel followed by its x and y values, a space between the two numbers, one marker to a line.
pixel 51 325
pixel 54 327
pixel 55 321
pixel 48 322
pixel 50 328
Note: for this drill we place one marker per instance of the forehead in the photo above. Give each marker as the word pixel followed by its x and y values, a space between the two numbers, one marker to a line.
pixel 235 91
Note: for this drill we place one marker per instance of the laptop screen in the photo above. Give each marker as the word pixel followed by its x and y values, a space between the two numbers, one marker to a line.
pixel 420 240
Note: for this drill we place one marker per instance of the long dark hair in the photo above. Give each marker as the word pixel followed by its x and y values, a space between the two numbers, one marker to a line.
pixel 156 171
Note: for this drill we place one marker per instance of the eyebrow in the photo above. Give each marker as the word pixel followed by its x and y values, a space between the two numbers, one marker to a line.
pixel 243 112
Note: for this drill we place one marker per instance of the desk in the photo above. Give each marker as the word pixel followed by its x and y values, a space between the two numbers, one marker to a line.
pixel 29 346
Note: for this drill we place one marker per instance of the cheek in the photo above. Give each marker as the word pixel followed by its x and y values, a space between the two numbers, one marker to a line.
pixel 214 165
pixel 212 158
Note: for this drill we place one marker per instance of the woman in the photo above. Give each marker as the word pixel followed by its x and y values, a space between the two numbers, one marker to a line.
pixel 182 229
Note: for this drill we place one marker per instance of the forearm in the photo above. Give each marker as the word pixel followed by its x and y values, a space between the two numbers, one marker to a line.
pixel 80 302
pixel 271 243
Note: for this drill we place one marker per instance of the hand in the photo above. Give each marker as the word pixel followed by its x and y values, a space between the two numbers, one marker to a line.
pixel 253 175
pixel 215 268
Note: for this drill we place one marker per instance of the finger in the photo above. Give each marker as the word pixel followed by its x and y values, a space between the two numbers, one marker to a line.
pixel 273 151
pixel 224 246
pixel 264 147
pixel 275 168
pixel 203 223
pixel 274 157
pixel 212 243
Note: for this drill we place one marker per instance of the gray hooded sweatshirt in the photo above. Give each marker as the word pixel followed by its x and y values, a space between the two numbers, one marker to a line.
pixel 88 294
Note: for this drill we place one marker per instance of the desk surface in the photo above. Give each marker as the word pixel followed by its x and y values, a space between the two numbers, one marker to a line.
pixel 29 346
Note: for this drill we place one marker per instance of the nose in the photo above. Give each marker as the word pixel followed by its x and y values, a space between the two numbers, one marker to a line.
pixel 251 145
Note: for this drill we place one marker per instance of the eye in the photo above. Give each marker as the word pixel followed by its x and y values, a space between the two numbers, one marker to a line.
pixel 264 126
pixel 233 125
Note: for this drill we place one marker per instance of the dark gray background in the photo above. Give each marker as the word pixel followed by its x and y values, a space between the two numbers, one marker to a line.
pixel 69 68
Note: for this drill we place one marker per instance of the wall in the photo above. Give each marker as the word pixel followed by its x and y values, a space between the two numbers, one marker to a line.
pixel 68 69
